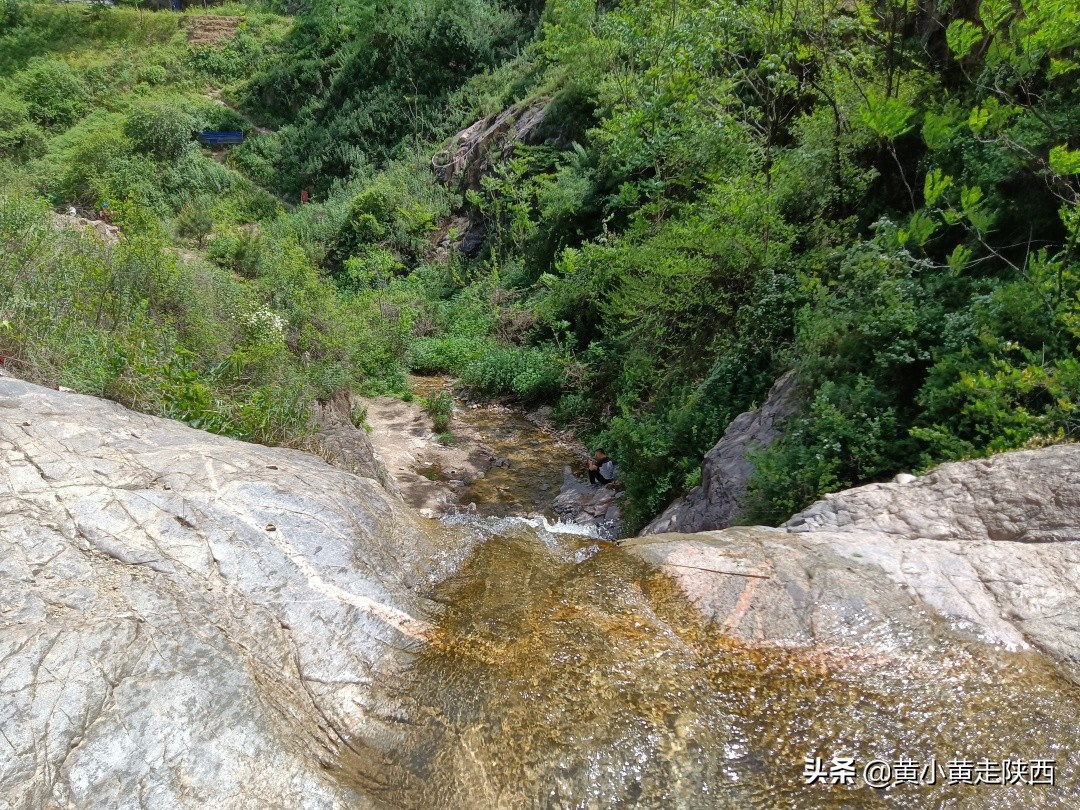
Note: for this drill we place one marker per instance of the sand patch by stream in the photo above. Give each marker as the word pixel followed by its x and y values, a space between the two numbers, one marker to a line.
pixel 429 474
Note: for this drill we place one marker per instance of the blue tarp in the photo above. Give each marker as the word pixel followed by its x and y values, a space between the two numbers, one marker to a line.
pixel 221 138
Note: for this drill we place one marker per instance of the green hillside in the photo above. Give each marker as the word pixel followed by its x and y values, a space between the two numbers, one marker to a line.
pixel 880 195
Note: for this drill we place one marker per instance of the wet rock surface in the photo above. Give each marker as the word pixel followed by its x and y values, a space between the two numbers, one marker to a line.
pixel 990 546
pixel 718 501
pixel 191 621
pixel 582 503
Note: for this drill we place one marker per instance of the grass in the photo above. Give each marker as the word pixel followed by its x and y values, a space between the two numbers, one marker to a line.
pixel 440 408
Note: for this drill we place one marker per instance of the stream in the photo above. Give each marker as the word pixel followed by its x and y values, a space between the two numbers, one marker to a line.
pixel 564 672
pixel 533 459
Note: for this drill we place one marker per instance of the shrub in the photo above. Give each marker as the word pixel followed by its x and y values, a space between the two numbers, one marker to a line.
pixel 160 130
pixel 850 435
pixel 12 13
pixel 13 112
pixel 56 95
pixel 528 373
pixel 22 142
pixel 371 267
pixel 439 407
pixel 432 355
pixel 358 417
pixel 153 75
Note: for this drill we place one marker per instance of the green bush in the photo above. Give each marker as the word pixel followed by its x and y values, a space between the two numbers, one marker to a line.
pixel 54 92
pixel 20 139
pixel 153 75
pixel 433 355
pixel 195 220
pixel 527 373
pixel 851 434
pixel 358 416
pixel 371 267
pixel 12 13
pixel 160 130
pixel 440 408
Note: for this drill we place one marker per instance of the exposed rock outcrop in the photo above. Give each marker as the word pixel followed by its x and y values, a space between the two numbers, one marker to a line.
pixel 471 153
pixel 342 443
pixel 191 621
pixel 107 232
pixel 992 546
pixel 718 501
pixel 468 157
pixel 581 503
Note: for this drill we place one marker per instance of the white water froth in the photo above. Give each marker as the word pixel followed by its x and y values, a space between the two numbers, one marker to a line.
pixel 553 535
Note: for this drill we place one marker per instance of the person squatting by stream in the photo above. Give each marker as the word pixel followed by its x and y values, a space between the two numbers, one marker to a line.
pixel 601 469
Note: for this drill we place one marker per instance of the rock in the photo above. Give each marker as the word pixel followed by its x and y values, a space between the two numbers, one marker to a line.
pixel 718 501
pixel 340 442
pixel 192 621
pixel 992 546
pixel 581 503
pixel 904 478
pixel 470 154
pixel 542 418
pixel 107 232
pixel 472 240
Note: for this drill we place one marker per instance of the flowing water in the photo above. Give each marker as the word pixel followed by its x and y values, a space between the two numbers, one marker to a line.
pixel 566 673
pixel 534 458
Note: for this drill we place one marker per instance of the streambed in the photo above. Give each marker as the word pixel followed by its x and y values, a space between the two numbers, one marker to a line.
pixel 565 672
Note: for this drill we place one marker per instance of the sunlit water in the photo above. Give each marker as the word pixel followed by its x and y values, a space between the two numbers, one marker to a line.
pixel 535 458
pixel 565 673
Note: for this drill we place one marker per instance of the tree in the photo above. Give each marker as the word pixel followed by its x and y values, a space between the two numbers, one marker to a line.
pixel 195 220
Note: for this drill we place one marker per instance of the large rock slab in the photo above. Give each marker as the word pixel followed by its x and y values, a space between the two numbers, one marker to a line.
pixel 191 621
pixel 989 548
pixel 718 501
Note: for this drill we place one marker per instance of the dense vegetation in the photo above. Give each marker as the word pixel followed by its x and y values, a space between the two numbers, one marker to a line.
pixel 882 195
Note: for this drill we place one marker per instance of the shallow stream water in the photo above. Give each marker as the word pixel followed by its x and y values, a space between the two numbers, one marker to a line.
pixel 564 672
pixel 534 458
